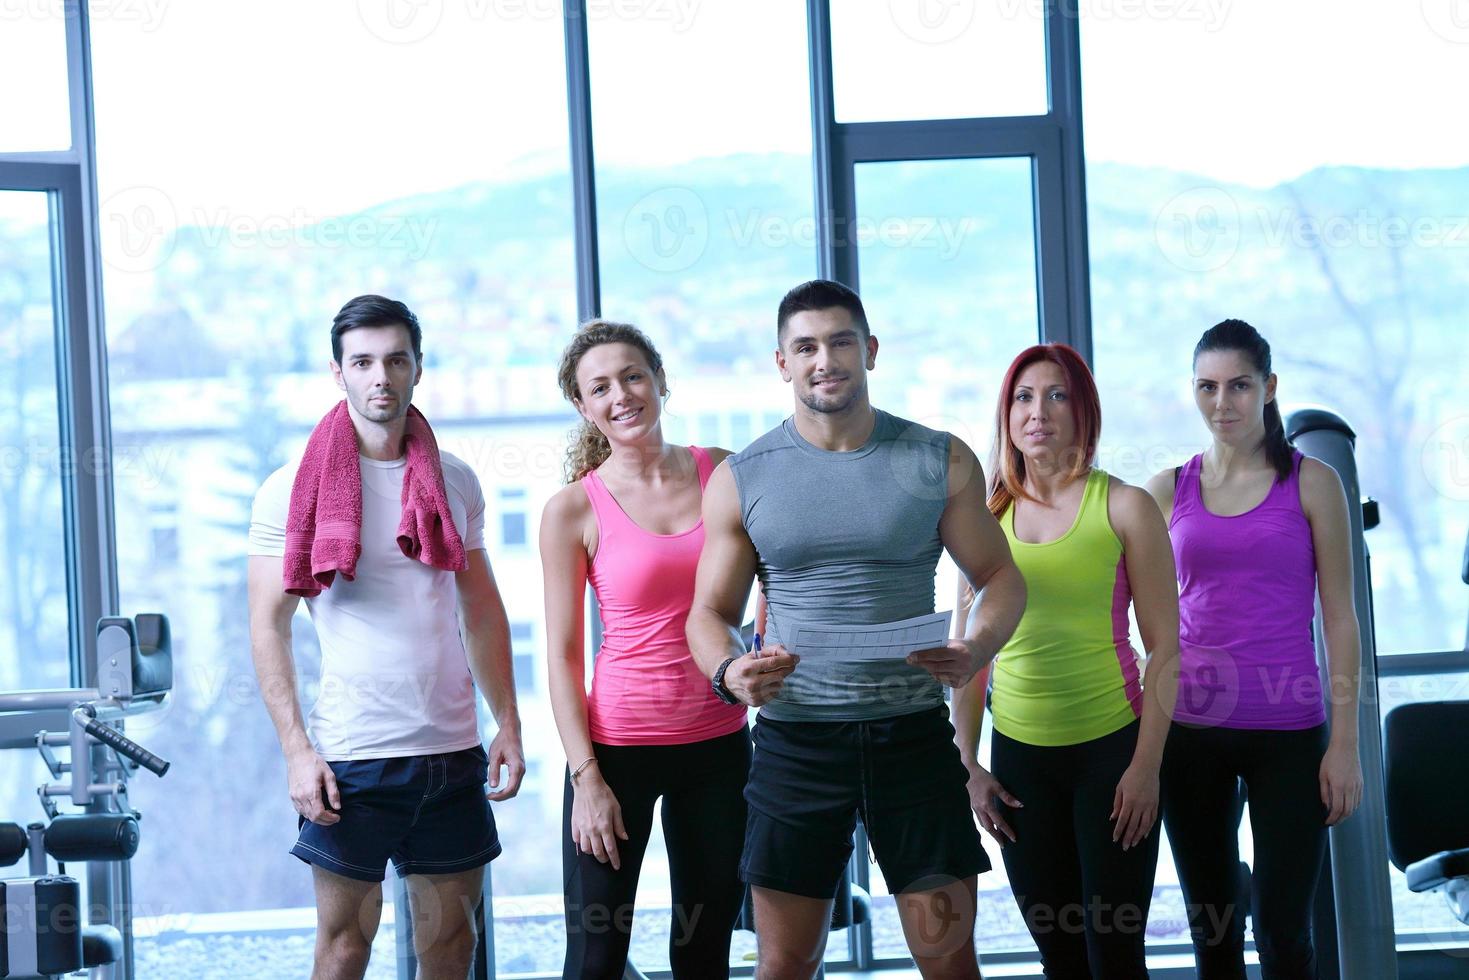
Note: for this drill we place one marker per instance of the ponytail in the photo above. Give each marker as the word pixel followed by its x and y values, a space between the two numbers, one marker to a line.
pixel 587 450
pixel 1278 448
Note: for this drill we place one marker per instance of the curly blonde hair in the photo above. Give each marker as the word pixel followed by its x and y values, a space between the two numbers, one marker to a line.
pixel 588 448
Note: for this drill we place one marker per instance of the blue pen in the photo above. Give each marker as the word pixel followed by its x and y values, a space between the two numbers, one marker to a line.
pixel 757 642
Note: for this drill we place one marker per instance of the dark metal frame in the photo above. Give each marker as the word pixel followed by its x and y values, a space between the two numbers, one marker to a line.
pixel 1052 142
pixel 69 178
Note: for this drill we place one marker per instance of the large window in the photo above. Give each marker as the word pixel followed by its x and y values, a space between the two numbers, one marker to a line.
pixel 354 152
pixel 916 59
pixel 704 199
pixel 33 61
pixel 704 221
pixel 1326 207
pixel 33 586
pixel 252 178
pixel 945 246
pixel 33 602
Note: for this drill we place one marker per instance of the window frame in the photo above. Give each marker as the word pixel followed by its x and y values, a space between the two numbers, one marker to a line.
pixel 69 178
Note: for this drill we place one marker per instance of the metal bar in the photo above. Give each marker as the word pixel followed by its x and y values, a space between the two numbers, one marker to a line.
pixel 823 124
pixel 942 139
pixel 583 168
pixel 1360 886
pixel 86 425
pixel 36 175
pixel 403 930
pixel 484 921
pixel 1052 295
pixel 87 432
pixel 18 730
pixel 1419 664
pixel 68 790
pixel 846 267
pixel 35 852
pixel 61 157
pixel 46 700
pixel 81 762
pixel 835 208
pixel 1063 74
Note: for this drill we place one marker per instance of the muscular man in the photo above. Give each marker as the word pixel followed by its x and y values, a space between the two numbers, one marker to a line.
pixel 390 764
pixel 842 512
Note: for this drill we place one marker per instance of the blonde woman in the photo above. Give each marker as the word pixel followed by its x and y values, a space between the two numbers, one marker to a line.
pixel 628 524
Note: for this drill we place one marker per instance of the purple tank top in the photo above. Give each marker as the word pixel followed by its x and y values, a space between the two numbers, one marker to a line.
pixel 1246 596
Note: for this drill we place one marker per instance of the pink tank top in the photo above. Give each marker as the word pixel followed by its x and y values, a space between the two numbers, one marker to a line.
pixel 646 689
pixel 1246 596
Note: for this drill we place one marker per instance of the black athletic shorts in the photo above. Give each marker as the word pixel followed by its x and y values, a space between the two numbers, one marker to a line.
pixel 428 813
pixel 811 781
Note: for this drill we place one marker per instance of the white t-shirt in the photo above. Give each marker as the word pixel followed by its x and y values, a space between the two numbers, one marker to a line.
pixel 394 677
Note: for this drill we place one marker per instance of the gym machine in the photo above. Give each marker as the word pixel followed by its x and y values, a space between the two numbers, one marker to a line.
pixel 1428 794
pixel 45 934
pixel 1354 900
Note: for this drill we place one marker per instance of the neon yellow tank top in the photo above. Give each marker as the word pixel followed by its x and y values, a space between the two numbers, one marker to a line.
pixel 1069 674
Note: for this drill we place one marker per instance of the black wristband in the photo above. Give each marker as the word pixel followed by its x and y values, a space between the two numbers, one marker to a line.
pixel 720 691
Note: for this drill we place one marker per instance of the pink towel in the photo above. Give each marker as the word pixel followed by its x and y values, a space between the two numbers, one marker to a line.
pixel 324 524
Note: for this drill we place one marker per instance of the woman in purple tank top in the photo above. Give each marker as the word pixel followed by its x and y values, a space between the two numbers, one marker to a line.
pixel 1258 532
pixel 629 525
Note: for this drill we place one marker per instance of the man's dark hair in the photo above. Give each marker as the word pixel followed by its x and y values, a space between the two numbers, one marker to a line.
pixel 819 294
pixel 375 311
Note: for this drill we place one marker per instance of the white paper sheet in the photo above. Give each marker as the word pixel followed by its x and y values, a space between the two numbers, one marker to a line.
pixel 884 641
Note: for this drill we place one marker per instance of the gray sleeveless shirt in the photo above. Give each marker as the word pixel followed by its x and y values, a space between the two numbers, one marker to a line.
pixel 847 538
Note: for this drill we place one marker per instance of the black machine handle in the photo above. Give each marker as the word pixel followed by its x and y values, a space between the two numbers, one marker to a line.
pixel 125 746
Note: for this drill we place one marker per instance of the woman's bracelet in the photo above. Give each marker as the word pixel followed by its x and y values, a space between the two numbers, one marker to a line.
pixel 589 760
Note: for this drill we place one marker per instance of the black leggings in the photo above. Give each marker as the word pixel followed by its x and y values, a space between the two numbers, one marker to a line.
pixel 1085 899
pixel 1202 769
pixel 702 785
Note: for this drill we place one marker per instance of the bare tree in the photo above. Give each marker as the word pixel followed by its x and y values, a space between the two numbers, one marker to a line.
pixel 1386 450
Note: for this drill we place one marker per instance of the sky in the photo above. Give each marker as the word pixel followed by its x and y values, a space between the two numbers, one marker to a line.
pixel 278 107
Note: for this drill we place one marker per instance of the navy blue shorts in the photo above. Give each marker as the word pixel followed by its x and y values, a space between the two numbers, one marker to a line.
pixel 811 780
pixel 426 812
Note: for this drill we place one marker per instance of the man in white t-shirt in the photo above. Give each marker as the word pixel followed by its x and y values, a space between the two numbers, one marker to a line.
pixel 388 764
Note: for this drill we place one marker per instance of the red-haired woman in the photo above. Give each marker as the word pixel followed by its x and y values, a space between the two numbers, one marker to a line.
pixel 1076 750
